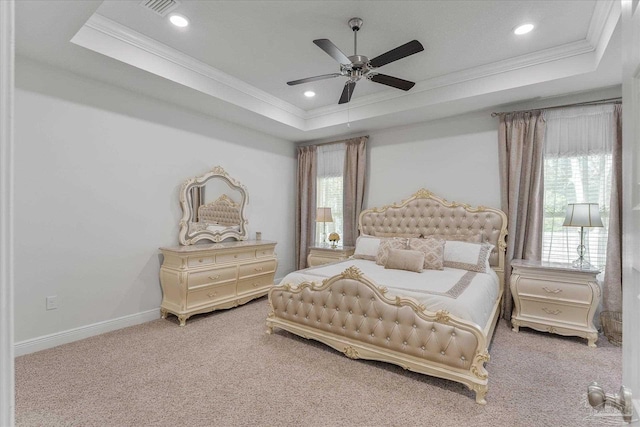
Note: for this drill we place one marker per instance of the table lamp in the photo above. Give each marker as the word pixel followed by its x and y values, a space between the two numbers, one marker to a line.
pixel 324 215
pixel 582 215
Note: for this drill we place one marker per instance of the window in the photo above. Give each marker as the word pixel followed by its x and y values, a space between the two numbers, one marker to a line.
pixel 329 188
pixel 577 169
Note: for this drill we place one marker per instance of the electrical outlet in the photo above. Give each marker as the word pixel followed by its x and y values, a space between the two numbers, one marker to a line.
pixel 52 302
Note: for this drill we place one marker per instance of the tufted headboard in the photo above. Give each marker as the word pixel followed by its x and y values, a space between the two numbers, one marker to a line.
pixel 426 214
pixel 223 211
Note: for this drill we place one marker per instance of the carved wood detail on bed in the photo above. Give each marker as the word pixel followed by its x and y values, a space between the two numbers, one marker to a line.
pixel 351 313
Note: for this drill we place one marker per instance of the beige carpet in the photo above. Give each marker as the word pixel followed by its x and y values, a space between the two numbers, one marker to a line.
pixel 223 370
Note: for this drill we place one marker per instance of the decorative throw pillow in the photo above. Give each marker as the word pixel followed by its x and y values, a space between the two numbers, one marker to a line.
pixel 408 260
pixel 406 235
pixel 467 256
pixel 386 245
pixel 366 248
pixel 433 250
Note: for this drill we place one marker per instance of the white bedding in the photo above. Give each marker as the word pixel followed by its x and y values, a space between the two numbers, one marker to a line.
pixel 467 295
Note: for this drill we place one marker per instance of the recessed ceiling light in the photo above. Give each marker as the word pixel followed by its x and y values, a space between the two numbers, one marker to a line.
pixel 523 29
pixel 179 20
pixel 309 94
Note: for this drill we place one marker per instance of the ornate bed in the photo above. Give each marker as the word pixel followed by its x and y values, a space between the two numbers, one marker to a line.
pixel 402 330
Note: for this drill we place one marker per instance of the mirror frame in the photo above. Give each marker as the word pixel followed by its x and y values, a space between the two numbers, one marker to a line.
pixel 187 209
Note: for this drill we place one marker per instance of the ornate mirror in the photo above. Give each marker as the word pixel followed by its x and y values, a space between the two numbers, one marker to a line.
pixel 213 208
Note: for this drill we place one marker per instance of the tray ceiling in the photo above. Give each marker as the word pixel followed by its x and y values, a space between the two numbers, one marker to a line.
pixel 242 53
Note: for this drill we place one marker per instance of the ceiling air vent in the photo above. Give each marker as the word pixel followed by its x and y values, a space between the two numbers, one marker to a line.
pixel 161 7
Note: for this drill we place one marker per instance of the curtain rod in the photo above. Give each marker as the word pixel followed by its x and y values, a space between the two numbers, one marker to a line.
pixel 577 104
pixel 331 142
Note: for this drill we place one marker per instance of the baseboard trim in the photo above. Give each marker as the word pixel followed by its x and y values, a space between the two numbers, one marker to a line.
pixel 64 337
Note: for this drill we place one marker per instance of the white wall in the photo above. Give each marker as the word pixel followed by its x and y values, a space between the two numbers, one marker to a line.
pixel 455 158
pixel 97 173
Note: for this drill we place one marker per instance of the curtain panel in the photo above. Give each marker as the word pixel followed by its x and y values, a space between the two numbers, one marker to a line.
pixel 612 293
pixel 520 148
pixel 354 186
pixel 305 203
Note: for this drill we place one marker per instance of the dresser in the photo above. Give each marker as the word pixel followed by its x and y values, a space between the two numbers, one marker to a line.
pixel 324 254
pixel 202 278
pixel 555 298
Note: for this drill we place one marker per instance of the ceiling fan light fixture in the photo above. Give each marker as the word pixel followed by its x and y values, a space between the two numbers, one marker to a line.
pixel 523 29
pixel 179 20
pixel 309 94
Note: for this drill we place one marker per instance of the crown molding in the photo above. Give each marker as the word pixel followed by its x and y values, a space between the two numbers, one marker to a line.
pixel 123 34
pixel 580 56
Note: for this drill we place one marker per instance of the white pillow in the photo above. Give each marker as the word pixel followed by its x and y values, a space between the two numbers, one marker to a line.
pixel 467 256
pixel 366 247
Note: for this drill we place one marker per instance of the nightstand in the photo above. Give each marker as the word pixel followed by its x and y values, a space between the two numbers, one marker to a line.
pixel 324 254
pixel 555 297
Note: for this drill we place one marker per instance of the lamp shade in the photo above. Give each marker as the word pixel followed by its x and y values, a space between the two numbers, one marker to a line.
pixel 324 215
pixel 583 215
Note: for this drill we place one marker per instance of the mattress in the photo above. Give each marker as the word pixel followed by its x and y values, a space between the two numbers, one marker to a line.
pixel 467 295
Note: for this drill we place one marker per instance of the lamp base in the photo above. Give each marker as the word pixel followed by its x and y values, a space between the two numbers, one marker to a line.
pixel 582 264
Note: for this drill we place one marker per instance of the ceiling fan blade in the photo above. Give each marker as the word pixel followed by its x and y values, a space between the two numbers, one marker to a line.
pixel 392 81
pixel 414 46
pixel 332 50
pixel 347 92
pixel 313 79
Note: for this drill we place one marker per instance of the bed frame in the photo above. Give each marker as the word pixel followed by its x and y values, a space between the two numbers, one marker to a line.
pixel 352 314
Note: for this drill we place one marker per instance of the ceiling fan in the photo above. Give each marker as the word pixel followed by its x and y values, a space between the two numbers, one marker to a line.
pixel 357 66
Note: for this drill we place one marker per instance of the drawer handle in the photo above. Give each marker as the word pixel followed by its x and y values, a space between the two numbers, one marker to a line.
pixel 258 269
pixel 214 277
pixel 235 256
pixel 212 294
pixel 552 312
pixel 255 285
pixel 200 260
pixel 552 291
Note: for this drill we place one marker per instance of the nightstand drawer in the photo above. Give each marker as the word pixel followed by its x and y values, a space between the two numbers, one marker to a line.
pixel 204 296
pixel 562 313
pixel 554 290
pixel 212 277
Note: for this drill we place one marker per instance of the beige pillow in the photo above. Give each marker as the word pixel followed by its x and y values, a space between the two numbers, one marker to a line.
pixel 406 235
pixel 386 245
pixel 405 260
pixel 433 250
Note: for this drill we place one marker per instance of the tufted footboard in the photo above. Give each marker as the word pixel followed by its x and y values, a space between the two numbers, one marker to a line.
pixel 352 314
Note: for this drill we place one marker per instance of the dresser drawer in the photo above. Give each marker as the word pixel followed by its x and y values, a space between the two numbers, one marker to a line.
pixel 264 252
pixel 548 310
pixel 257 268
pixel 264 281
pixel 234 257
pixel 554 290
pixel 209 294
pixel 197 261
pixel 212 277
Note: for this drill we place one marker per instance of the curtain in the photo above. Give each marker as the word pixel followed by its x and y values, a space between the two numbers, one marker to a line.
pixel 305 203
pixel 580 146
pixel 329 188
pixel 354 186
pixel 612 294
pixel 520 144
